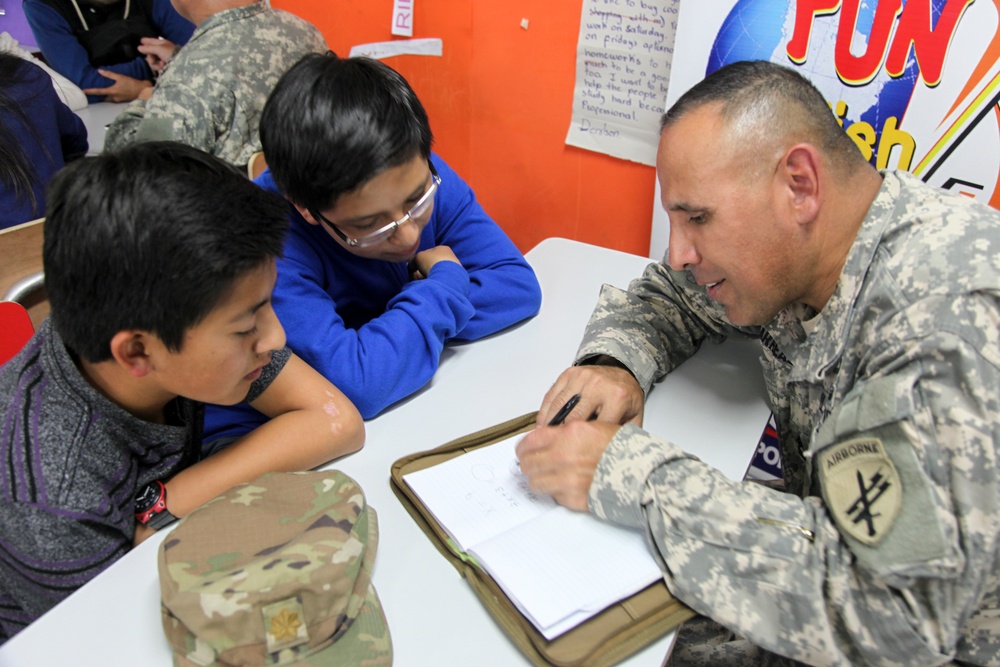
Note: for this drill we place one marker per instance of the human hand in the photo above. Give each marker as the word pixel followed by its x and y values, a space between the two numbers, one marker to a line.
pixel 158 52
pixel 607 394
pixel 420 265
pixel 561 460
pixel 124 88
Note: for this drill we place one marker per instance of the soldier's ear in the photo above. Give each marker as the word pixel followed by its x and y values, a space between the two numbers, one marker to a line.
pixel 800 183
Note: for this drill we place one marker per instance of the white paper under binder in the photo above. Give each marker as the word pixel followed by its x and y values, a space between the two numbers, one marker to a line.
pixel 559 567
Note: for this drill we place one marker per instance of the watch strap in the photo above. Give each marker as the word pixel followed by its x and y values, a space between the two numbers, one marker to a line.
pixel 161 519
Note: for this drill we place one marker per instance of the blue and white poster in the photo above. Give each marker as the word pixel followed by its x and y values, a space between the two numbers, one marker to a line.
pixel 915 83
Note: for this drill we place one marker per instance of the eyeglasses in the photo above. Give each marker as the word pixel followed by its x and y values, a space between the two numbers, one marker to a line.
pixel 419 209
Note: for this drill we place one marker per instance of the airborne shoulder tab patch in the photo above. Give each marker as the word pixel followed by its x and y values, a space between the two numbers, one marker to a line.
pixel 862 488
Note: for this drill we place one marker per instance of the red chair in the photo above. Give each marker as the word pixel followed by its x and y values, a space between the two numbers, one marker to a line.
pixel 15 329
pixel 21 276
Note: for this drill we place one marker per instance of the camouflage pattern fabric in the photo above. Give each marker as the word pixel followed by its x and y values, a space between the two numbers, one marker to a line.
pixel 701 642
pixel 275 572
pixel 212 93
pixel 884 548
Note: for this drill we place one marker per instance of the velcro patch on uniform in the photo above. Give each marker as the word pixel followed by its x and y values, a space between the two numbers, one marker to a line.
pixel 285 625
pixel 862 487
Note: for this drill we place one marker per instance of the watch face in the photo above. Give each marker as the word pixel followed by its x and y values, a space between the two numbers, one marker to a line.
pixel 147 498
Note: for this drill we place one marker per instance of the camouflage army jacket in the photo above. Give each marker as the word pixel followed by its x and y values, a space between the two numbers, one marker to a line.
pixel 212 93
pixel 885 549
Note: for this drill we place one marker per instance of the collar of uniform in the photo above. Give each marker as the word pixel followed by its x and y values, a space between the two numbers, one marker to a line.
pixel 228 16
pixel 832 324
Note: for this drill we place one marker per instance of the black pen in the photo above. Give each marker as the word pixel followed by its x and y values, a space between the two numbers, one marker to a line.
pixel 565 410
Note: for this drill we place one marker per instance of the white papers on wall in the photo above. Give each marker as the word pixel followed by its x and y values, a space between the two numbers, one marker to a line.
pixel 429 46
pixel 623 60
pixel 402 17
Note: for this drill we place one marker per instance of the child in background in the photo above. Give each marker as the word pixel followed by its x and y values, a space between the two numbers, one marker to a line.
pixel 38 136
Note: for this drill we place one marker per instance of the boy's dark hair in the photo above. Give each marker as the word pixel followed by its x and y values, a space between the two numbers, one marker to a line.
pixel 331 124
pixel 151 237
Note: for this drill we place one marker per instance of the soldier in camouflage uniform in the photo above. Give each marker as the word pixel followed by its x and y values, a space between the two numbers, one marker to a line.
pixel 276 571
pixel 877 299
pixel 211 94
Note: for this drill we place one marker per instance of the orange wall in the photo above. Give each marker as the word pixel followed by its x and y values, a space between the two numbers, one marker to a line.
pixel 499 102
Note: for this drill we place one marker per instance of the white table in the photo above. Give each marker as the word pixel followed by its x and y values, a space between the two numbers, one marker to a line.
pixel 713 406
pixel 97 116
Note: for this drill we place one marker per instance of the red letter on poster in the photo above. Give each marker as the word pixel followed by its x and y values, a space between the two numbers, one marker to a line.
pixel 857 70
pixel 929 45
pixel 805 11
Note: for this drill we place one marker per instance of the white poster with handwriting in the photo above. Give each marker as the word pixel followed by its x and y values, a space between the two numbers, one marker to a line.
pixel 623 62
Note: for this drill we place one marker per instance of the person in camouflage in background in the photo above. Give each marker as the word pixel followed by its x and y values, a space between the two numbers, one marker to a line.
pixel 877 299
pixel 210 95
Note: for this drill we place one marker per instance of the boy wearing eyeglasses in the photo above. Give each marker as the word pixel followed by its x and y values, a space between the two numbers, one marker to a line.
pixel 389 255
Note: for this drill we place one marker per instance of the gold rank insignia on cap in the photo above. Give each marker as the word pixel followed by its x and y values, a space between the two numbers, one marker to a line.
pixel 862 488
pixel 284 624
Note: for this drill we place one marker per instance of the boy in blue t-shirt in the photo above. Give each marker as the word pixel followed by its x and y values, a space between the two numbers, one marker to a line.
pixel 389 256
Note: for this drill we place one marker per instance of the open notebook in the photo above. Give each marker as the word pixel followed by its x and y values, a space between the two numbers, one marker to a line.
pixel 559 567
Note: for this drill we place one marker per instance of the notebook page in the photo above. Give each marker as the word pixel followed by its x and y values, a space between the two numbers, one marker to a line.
pixel 479 494
pixel 563 567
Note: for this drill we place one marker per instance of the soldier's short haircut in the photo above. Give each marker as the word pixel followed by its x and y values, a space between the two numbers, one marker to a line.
pixel 761 101
pixel 332 124
pixel 152 238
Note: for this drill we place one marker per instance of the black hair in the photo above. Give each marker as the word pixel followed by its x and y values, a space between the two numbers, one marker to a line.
pixel 151 237
pixel 17 173
pixel 331 124
pixel 752 94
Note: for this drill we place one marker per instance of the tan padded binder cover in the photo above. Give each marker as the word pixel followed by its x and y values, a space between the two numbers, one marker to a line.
pixel 603 640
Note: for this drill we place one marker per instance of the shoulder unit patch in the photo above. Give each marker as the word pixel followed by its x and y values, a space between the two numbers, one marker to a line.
pixel 862 488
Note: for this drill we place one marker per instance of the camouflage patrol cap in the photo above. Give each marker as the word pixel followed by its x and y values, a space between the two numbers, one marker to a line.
pixel 275 572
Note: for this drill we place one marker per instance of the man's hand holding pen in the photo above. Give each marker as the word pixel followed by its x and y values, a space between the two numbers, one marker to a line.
pixel 607 393
pixel 561 460
pixel 591 403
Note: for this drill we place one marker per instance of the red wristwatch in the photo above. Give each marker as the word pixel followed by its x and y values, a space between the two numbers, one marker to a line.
pixel 151 506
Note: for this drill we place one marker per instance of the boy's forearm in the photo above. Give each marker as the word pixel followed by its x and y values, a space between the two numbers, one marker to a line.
pixel 298 440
